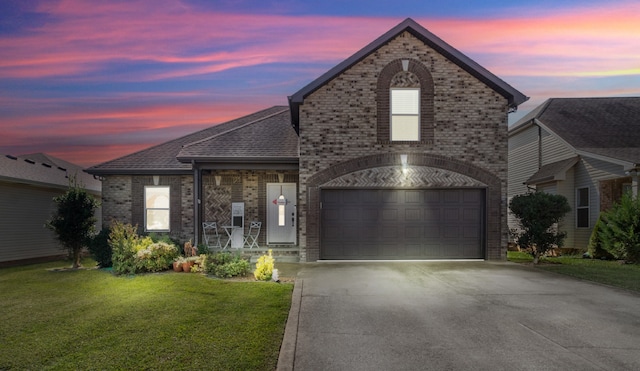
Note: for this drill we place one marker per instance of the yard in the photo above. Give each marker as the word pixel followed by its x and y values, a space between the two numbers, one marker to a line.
pixel 626 276
pixel 91 319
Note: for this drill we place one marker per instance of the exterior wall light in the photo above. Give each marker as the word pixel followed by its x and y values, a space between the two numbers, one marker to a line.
pixel 403 161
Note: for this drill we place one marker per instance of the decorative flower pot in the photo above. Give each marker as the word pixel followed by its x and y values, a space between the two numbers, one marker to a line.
pixel 177 267
pixel 186 266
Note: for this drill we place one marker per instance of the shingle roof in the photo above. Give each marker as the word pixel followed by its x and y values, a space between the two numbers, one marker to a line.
pixel 514 96
pixel 553 171
pixel 269 138
pixel 44 170
pixel 608 127
pixel 162 158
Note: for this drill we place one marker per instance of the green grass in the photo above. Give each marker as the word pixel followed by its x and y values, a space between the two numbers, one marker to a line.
pixel 91 319
pixel 626 276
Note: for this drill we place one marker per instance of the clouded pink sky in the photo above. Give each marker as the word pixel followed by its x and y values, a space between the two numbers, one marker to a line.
pixel 89 81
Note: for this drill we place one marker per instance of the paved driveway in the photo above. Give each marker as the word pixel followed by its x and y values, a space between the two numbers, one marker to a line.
pixel 457 316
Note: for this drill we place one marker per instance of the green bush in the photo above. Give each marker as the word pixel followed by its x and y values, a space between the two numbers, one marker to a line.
pixel 264 267
pixel 100 249
pixel 620 230
pixel 156 257
pixel 132 254
pixel 227 265
pixel 596 248
pixel 123 240
pixel 538 214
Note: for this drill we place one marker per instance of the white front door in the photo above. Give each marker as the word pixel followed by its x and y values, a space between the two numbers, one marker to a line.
pixel 281 213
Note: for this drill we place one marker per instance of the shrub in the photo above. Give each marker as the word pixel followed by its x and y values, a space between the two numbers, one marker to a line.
pixel 123 240
pixel 538 214
pixel 100 249
pixel 596 249
pixel 227 265
pixel 156 257
pixel 620 230
pixel 264 267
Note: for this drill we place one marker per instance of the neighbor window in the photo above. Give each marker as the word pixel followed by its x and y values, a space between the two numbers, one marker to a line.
pixel 405 114
pixel 582 207
pixel 156 208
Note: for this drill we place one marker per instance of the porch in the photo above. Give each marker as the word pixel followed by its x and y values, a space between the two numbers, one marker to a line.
pixel 237 200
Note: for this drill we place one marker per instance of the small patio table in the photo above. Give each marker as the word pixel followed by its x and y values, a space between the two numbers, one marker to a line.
pixel 229 230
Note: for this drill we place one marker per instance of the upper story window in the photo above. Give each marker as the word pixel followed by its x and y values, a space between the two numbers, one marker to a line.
pixel 156 208
pixel 405 114
pixel 405 103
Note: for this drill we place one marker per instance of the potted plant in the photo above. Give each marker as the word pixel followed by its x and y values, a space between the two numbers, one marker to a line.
pixel 177 264
pixel 188 263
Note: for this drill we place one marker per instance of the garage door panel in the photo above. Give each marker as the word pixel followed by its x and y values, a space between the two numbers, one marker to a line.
pixel 413 215
pixel 402 224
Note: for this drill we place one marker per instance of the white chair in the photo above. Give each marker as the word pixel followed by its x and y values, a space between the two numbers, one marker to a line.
pixel 210 235
pixel 251 238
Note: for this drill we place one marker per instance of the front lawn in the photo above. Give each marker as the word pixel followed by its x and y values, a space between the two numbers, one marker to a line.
pixel 612 273
pixel 91 319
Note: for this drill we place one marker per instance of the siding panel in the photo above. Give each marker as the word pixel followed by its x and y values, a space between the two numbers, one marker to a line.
pixel 24 209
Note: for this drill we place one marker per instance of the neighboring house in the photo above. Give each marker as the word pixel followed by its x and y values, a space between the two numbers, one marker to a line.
pixel 398 152
pixel 28 184
pixel 586 149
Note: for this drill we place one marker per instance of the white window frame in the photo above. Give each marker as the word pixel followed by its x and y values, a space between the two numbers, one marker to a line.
pixel 401 115
pixel 148 208
pixel 580 207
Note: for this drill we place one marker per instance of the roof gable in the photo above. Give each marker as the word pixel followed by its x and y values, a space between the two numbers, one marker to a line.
pixel 514 97
pixel 267 139
pixel 604 127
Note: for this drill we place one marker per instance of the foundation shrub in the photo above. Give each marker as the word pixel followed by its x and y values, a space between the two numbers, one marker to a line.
pixel 227 265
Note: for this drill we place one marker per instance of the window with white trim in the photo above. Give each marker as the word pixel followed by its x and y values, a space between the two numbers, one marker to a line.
pixel 582 208
pixel 405 114
pixel 156 208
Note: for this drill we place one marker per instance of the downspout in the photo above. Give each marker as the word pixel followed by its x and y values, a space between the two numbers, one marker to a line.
pixel 196 202
pixel 539 147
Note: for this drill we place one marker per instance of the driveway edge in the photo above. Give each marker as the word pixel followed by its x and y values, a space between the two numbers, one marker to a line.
pixel 288 349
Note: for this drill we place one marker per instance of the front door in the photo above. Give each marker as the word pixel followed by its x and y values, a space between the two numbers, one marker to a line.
pixel 281 213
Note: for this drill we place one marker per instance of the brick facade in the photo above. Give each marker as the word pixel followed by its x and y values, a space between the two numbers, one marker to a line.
pixel 340 133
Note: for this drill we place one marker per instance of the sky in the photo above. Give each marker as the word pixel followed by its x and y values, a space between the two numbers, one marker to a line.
pixel 90 81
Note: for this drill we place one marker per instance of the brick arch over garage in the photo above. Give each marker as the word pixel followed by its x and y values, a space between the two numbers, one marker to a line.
pixel 493 193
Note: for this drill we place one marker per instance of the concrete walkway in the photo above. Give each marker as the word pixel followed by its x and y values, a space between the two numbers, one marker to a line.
pixel 456 316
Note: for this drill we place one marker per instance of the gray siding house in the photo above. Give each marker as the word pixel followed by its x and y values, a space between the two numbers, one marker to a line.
pixel 587 149
pixel 28 184
pixel 398 152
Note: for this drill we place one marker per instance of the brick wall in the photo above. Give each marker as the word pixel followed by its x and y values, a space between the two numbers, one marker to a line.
pixel 339 124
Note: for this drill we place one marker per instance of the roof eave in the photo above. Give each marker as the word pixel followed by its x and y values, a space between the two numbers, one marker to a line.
pixel 129 171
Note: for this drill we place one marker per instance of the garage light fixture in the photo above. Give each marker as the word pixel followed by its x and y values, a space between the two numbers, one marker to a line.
pixel 403 161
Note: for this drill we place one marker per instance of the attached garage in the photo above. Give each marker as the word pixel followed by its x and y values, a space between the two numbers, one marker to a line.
pixel 363 224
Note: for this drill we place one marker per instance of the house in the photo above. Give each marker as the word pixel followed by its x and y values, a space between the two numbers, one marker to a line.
pixel 586 149
pixel 28 184
pixel 398 152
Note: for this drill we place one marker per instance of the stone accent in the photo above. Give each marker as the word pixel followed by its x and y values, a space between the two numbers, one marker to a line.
pixel 342 129
pixel 397 177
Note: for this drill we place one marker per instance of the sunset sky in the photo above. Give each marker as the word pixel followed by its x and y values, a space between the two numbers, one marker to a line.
pixel 89 81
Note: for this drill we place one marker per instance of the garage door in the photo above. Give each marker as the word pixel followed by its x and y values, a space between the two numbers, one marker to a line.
pixel 402 224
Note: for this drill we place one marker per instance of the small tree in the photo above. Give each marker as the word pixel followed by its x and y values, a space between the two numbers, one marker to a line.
pixel 538 213
pixel 74 221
